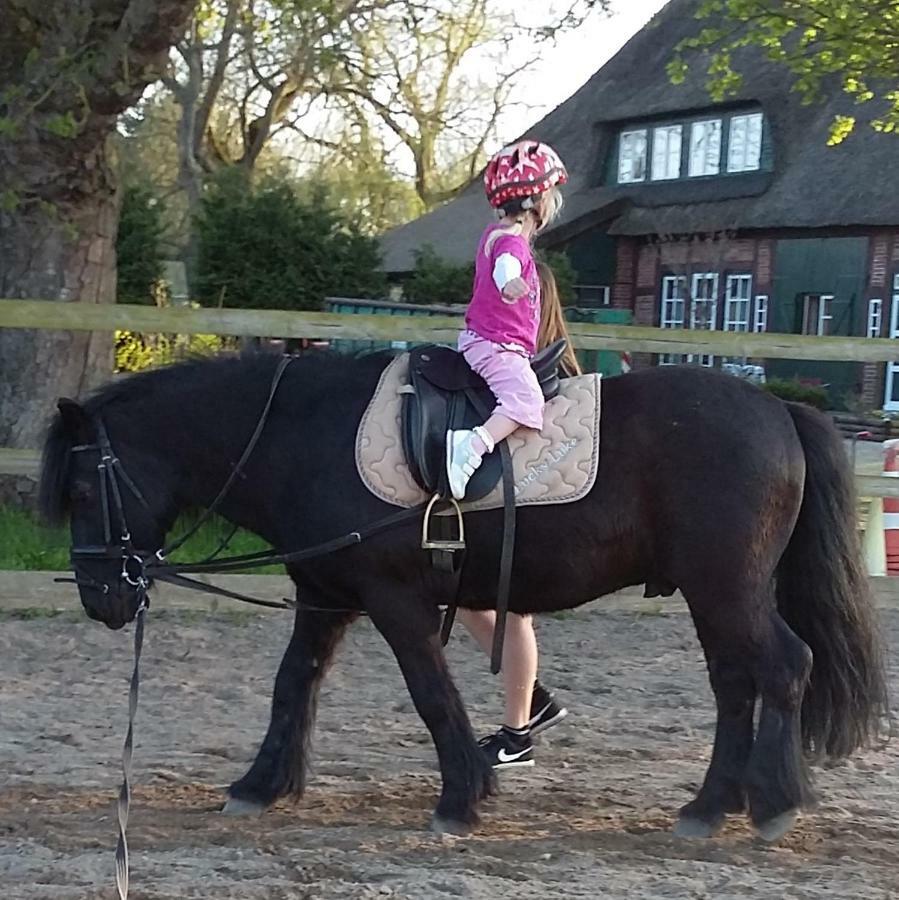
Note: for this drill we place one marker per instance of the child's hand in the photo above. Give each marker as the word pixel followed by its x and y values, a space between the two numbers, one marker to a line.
pixel 515 290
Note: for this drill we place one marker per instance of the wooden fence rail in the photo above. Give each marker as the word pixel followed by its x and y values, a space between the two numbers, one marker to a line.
pixel 52 315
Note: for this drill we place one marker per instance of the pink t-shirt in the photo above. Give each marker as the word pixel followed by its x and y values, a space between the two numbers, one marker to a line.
pixel 488 314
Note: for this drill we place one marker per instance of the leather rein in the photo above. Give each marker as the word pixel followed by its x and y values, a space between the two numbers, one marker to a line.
pixel 140 568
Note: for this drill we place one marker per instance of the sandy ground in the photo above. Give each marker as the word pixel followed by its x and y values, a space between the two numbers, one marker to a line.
pixel 592 819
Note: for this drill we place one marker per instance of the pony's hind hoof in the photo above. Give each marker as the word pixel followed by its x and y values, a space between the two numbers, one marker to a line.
pixel 234 806
pixel 697 829
pixel 774 829
pixel 441 826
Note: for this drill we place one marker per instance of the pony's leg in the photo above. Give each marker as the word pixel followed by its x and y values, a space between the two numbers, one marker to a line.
pixel 723 791
pixel 280 765
pixel 412 628
pixel 778 783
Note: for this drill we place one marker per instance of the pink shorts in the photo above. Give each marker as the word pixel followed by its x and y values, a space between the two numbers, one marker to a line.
pixel 507 370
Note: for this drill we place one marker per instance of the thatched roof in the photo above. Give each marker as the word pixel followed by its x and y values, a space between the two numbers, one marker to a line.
pixel 812 185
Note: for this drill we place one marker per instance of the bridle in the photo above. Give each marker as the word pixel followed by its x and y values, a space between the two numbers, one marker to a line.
pixel 141 567
pixel 112 476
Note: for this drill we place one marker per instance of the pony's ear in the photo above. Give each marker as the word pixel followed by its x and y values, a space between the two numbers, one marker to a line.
pixel 75 420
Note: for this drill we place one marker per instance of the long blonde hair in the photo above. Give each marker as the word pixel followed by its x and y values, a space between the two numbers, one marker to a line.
pixel 546 210
pixel 552 322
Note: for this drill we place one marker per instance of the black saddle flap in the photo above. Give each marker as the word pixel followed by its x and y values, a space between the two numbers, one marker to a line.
pixel 448 395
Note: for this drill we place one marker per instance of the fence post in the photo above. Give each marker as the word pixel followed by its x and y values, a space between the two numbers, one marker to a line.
pixel 891 509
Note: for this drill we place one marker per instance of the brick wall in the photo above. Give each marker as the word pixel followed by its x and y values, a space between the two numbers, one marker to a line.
pixel 763 267
pixel 872 385
pixel 626 250
pixel 883 261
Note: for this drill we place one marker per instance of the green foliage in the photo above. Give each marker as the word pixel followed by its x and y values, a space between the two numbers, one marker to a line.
pixel 138 246
pixel 360 181
pixel 25 544
pixel 564 272
pixel 437 281
pixel 147 154
pixel 818 41
pixel 134 352
pixel 262 247
pixel 795 390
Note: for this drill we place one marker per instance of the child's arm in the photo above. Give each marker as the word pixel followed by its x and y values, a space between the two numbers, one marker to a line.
pixel 507 277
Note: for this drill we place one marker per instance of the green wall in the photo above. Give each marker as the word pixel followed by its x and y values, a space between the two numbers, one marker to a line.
pixel 820 266
pixel 592 256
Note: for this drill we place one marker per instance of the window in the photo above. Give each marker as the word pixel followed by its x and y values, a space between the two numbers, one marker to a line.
pixel 704 310
pixel 875 316
pixel 705 147
pixel 737 298
pixel 666 146
pixel 816 317
pixel 744 150
pixel 674 289
pixel 592 294
pixel 632 156
pixel 730 144
pixel 761 313
pixel 737 301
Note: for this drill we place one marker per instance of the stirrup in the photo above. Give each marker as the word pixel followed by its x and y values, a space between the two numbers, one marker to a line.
pixel 432 543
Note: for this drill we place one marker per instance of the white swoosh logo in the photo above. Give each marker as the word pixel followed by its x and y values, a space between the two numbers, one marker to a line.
pixel 502 756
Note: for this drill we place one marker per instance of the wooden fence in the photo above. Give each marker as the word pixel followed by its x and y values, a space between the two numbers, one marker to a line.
pixel 326 326
pixel 60 316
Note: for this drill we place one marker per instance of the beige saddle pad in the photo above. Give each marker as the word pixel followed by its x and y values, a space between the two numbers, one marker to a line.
pixel 555 465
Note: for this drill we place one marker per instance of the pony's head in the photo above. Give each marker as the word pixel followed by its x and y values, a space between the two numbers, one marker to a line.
pixel 112 523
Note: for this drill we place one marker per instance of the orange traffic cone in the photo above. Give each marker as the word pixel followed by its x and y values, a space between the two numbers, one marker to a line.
pixel 891 508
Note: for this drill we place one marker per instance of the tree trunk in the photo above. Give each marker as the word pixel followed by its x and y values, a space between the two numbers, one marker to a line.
pixel 39 259
pixel 66 72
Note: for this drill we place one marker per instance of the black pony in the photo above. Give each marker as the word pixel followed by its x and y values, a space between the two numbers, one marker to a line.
pixel 706 484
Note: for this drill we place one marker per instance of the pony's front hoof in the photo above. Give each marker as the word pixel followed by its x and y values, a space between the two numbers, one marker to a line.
pixel 441 826
pixel 235 806
pixel 697 829
pixel 774 829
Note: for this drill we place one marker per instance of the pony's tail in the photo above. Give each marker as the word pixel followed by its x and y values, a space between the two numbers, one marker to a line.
pixel 823 594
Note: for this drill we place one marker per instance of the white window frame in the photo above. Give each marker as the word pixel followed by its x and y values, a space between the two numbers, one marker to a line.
pixel 875 317
pixel 750 152
pixel 604 291
pixel 627 157
pixel 760 322
pixel 674 292
pixel 704 160
pixel 667 146
pixel 711 319
pixel 892 368
pixel 733 301
pixel 823 313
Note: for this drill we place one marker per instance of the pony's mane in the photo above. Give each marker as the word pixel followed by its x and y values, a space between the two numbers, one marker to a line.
pixel 53 499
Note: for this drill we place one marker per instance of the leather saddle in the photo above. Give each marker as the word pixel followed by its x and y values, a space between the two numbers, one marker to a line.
pixel 446 394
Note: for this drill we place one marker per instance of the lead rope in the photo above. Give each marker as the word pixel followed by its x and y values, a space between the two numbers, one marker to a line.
pixel 124 804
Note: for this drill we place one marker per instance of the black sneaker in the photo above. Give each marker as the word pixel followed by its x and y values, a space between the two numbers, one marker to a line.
pixel 545 712
pixel 508 749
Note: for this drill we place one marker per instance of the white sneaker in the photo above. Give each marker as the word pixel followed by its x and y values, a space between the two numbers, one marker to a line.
pixel 462 461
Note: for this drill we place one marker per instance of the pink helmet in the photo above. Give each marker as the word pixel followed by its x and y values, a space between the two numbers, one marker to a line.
pixel 521 172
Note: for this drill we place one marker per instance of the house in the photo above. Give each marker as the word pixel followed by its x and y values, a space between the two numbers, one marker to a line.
pixel 696 214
